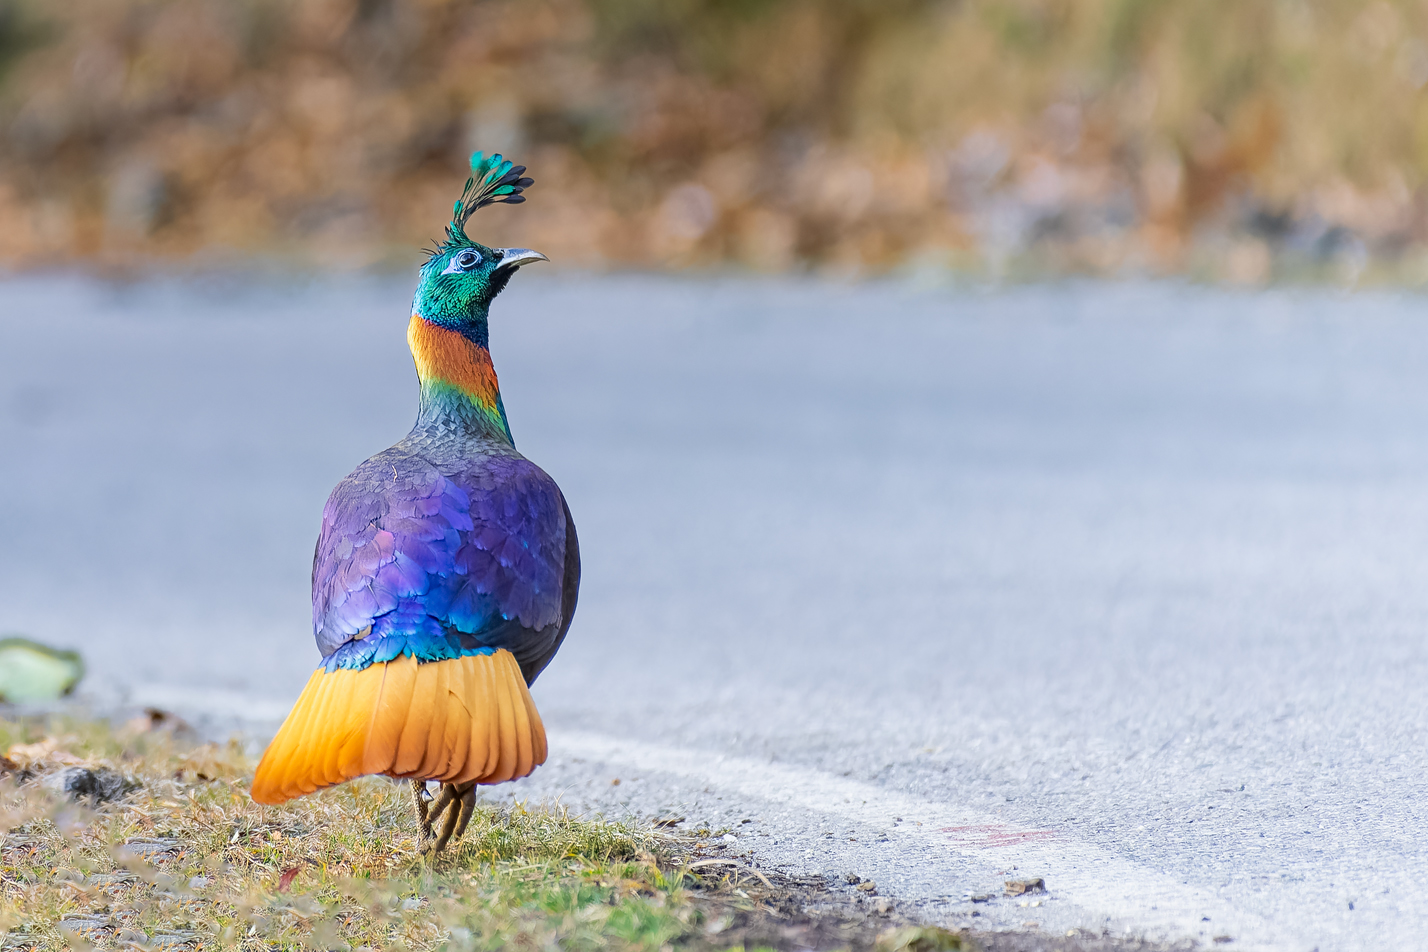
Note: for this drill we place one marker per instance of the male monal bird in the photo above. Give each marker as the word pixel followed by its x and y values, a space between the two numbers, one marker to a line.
pixel 446 571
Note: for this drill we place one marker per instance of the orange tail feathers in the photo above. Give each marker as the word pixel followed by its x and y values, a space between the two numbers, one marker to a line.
pixel 463 719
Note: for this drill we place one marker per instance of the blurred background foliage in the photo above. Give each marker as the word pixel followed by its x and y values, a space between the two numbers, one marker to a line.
pixel 1236 139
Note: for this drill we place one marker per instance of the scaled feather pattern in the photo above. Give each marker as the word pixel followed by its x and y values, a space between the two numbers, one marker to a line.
pixel 438 550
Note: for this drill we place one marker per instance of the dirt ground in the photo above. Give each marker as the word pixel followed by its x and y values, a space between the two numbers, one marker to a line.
pixel 760 908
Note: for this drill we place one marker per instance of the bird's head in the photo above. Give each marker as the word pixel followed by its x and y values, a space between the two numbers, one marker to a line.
pixel 462 276
pixel 459 281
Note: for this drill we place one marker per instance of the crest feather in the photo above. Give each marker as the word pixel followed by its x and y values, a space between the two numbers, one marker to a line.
pixel 494 180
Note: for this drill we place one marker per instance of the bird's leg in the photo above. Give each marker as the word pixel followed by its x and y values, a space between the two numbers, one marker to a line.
pixel 443 800
pixel 448 795
pixel 427 812
pixel 463 804
pixel 446 802
pixel 420 799
pixel 468 806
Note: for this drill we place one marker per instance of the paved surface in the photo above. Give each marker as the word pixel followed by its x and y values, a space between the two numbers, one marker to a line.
pixel 1120 586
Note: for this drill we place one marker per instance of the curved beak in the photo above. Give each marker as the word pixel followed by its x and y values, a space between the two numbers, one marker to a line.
pixel 515 257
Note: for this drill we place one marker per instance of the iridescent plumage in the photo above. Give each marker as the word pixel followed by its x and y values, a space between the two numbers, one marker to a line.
pixel 441 546
pixel 437 558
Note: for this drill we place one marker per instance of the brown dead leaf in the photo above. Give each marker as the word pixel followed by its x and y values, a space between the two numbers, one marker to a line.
pixel 41 752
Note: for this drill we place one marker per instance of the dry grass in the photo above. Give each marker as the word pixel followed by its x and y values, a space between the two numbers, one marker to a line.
pixel 187 860
pixel 1226 137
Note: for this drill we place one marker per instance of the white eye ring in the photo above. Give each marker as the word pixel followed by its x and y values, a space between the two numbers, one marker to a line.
pixel 465 260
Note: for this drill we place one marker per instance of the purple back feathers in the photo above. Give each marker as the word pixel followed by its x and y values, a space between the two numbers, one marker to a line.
pixel 434 560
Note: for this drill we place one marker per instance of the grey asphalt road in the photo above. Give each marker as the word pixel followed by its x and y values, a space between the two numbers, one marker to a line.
pixel 1121 586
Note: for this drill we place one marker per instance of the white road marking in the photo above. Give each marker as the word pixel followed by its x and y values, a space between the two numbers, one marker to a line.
pixel 1101 883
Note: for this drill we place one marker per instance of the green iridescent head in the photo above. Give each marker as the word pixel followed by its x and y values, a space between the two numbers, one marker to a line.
pixel 462 276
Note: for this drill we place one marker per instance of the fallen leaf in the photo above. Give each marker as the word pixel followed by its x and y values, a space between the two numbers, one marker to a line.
pixel 30 671
pixel 41 752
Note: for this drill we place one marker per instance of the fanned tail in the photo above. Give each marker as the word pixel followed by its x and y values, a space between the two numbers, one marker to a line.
pixel 463 719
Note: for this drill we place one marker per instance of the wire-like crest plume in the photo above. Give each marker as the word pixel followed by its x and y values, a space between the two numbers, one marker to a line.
pixel 493 179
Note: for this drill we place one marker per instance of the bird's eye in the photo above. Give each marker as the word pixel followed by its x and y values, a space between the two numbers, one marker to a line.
pixel 468 258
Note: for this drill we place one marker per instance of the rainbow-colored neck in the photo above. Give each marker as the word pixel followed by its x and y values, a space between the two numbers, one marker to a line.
pixel 458 381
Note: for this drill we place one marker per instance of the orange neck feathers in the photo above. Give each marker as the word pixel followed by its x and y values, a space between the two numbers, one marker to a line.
pixel 458 380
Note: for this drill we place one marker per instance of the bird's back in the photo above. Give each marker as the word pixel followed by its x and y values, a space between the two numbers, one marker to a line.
pixel 442 545
pixel 444 580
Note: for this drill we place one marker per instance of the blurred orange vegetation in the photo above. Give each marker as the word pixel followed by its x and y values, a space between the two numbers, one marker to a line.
pixel 1241 139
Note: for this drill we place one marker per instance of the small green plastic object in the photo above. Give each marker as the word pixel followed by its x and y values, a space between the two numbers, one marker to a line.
pixel 30 671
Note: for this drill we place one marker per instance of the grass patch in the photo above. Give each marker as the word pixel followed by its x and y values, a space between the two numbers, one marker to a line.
pixel 184 859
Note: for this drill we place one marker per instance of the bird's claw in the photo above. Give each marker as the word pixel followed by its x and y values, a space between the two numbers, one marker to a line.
pixel 456 802
pixel 421 801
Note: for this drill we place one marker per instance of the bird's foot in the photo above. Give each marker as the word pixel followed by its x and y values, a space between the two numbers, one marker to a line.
pixel 459 802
